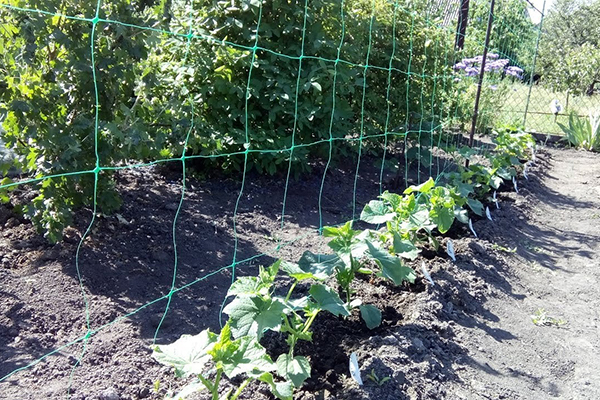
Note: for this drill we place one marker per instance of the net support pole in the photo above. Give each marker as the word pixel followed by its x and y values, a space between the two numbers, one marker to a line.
pixel 481 73
pixel 463 21
pixel 537 48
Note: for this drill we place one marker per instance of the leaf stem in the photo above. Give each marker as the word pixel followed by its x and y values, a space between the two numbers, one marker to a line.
pixel 215 391
pixel 209 385
pixel 239 390
pixel 309 322
pixel 291 290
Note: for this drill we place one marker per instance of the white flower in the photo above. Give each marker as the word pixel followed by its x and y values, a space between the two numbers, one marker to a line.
pixel 555 107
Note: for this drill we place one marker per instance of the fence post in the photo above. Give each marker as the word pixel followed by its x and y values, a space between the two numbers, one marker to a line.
pixel 481 73
pixel 463 21
pixel 537 47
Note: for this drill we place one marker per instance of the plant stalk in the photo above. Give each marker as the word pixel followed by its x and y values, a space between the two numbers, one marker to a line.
pixel 291 290
pixel 240 389
pixel 215 391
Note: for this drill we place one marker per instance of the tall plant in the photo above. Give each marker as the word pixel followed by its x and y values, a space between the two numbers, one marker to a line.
pixel 583 133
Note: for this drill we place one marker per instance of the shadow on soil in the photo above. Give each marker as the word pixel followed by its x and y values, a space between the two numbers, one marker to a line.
pixel 131 261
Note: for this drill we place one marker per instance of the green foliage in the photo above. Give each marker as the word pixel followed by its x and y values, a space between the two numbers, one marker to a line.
pixel 349 247
pixel 353 249
pixel 209 94
pixel 47 101
pixel 541 318
pixel 288 105
pixel 513 148
pixel 569 54
pixel 255 309
pixel 371 315
pixel 475 182
pixel 412 218
pixel 195 355
pixel 460 102
pixel 376 379
pixel 583 133
pixel 514 34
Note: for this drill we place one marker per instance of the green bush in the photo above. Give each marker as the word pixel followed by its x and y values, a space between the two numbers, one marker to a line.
pixel 158 92
pixel 48 107
pixel 284 108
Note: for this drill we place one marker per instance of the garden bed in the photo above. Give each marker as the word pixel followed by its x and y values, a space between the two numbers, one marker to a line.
pixel 425 344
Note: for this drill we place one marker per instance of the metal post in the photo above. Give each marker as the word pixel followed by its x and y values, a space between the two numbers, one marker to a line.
pixel 461 28
pixel 481 73
pixel 537 47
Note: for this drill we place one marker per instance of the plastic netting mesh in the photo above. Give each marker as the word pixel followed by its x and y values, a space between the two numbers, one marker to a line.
pixel 245 85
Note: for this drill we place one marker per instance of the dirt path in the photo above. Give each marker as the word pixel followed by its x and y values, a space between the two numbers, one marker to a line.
pixel 557 269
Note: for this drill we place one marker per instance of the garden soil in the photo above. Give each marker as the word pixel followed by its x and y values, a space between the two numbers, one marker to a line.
pixel 84 330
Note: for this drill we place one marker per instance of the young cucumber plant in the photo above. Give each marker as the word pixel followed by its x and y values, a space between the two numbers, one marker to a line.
pixel 256 309
pixel 353 251
pixel 411 219
pixel 209 356
pixel 477 181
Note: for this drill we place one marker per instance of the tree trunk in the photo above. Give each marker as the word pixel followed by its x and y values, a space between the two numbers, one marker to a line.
pixel 591 88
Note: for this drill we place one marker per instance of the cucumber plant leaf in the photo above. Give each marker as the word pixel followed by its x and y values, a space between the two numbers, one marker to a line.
pixel 252 315
pixel 425 187
pixel 496 181
pixel 188 390
pixel 443 217
pixel 255 285
pixel 371 315
pixel 188 354
pixel 391 266
pixel 281 390
pixel 476 206
pixel 225 348
pixel 461 214
pixel 394 199
pixel 405 248
pixel 377 212
pixel 249 358
pixel 328 300
pixel 296 369
pixel 417 220
pixel 320 266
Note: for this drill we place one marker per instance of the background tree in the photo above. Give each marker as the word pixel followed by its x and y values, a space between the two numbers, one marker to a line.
pixel 48 100
pixel 569 54
pixel 513 35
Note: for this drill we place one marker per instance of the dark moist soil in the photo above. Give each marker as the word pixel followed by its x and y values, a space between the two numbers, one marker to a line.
pixel 470 336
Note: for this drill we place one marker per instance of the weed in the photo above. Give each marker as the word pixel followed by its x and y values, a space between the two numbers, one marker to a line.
pixel 541 318
pixel 498 247
pixel 376 379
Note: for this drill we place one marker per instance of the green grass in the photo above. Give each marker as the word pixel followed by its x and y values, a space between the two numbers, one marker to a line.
pixel 539 117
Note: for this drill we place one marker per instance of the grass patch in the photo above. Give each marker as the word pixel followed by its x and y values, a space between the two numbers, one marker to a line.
pixel 539 117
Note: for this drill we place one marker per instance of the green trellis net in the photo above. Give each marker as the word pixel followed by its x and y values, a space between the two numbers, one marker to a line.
pixel 90 89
